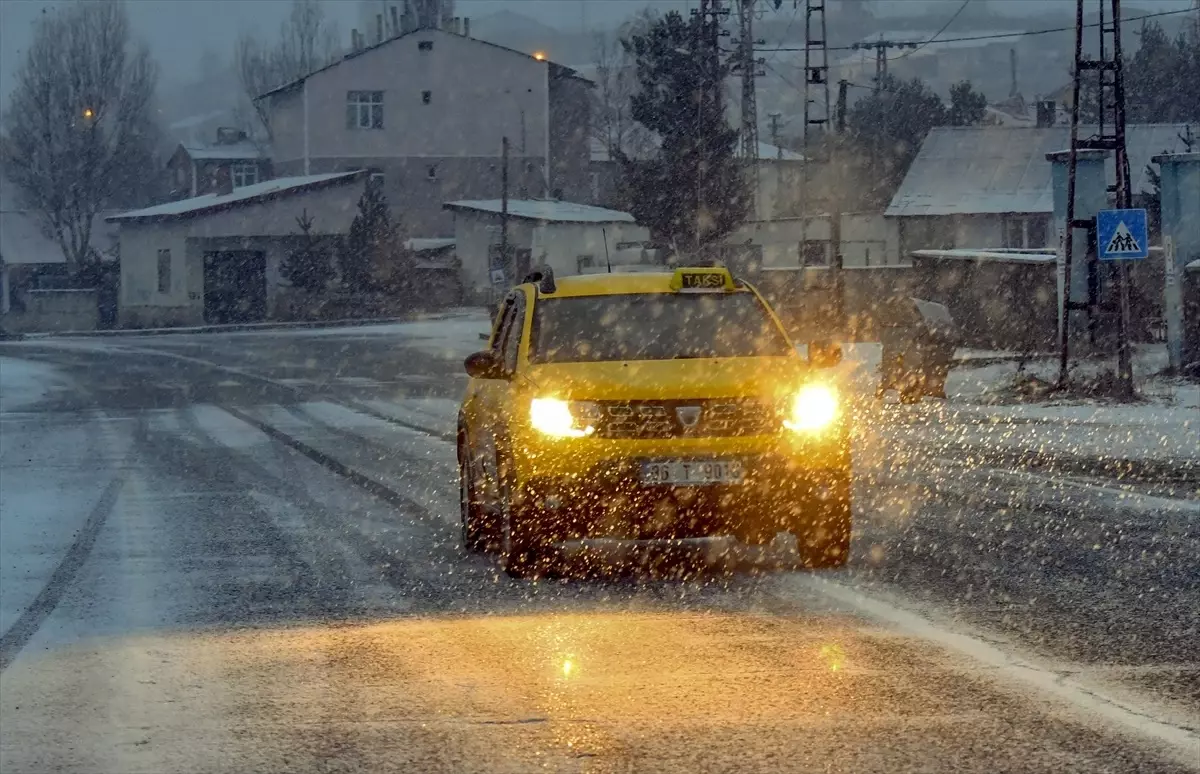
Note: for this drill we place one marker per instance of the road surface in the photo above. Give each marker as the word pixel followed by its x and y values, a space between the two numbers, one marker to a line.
pixel 239 552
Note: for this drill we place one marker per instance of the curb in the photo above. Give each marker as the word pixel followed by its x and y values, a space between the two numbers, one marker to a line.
pixel 238 327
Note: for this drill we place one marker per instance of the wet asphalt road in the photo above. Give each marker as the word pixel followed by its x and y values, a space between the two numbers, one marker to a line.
pixel 234 561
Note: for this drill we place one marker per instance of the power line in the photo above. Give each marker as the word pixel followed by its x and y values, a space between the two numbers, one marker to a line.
pixel 937 34
pixel 1009 35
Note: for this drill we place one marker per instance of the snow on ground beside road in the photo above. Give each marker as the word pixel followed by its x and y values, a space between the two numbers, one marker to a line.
pixel 977 413
pixel 24 383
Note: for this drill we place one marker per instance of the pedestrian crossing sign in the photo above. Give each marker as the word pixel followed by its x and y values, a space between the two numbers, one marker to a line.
pixel 1121 235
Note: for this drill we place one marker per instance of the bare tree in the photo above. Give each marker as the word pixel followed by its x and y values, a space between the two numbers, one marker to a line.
pixel 307 41
pixel 612 123
pixel 78 132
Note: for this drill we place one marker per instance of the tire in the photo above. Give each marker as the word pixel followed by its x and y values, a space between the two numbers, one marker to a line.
pixel 823 539
pixel 478 533
pixel 524 551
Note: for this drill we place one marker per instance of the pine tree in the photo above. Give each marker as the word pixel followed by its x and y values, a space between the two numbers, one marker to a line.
pixel 694 191
pixel 373 247
pixel 967 106
pixel 308 267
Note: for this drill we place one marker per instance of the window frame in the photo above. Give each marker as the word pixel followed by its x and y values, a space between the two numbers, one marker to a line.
pixel 364 110
pixel 240 168
pixel 516 328
pixel 427 97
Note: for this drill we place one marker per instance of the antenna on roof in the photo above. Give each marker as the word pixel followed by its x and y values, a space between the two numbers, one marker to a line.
pixel 607 259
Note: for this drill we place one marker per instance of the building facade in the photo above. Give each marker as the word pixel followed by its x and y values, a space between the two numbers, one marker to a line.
pixel 427 112
pixel 195 170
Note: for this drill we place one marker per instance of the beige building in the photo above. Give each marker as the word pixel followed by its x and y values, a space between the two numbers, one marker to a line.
pixel 426 111
pixel 868 240
pixel 217 258
pixel 569 238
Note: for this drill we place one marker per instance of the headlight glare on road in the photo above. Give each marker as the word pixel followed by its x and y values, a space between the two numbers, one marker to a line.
pixel 813 409
pixel 553 417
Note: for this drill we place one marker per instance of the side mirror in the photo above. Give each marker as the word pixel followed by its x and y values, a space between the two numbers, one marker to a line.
pixel 823 354
pixel 484 365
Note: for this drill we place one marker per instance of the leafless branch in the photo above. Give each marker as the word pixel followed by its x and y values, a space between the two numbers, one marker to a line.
pixel 307 41
pixel 78 129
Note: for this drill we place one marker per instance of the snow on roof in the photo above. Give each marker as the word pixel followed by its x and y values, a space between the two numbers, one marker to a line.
pixel 1193 266
pixel 426 245
pixel 227 152
pixel 545 209
pixel 246 195
pixel 1002 169
pixel 996 256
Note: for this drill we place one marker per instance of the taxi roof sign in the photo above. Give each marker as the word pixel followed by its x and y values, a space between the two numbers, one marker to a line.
pixel 703 279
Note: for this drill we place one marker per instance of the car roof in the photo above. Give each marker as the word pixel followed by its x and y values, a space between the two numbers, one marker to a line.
pixel 616 283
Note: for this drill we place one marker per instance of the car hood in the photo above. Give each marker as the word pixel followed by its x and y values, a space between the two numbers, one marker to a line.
pixel 668 379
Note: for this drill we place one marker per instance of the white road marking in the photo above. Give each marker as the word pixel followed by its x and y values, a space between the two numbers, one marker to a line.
pixel 1134 715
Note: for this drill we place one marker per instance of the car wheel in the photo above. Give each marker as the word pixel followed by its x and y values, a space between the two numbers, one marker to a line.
pixel 524 552
pixel 823 538
pixel 478 536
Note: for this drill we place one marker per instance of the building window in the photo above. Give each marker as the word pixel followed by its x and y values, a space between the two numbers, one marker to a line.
pixel 425 45
pixel 595 188
pixel 427 97
pixel 585 262
pixel 1024 233
pixel 376 179
pixel 1035 233
pixel 431 172
pixel 244 174
pixel 813 253
pixel 364 110
pixel 164 271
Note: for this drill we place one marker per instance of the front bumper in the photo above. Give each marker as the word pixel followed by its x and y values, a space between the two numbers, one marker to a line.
pixel 594 492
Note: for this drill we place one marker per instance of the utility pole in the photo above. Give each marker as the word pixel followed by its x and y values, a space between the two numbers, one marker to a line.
pixel 816 126
pixel 747 65
pixel 1109 136
pixel 775 134
pixel 881 48
pixel 708 49
pixel 504 261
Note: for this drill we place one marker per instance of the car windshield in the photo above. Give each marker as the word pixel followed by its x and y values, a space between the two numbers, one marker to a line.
pixel 658 326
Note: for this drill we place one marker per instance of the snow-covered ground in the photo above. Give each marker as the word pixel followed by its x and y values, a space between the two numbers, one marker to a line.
pixel 980 411
pixel 24 383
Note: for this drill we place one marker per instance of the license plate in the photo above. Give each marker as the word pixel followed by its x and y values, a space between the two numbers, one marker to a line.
pixel 692 472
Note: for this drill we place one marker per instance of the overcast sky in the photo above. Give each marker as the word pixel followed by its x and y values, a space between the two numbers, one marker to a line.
pixel 180 30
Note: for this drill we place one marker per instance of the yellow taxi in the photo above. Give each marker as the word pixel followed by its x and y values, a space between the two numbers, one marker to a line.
pixel 662 405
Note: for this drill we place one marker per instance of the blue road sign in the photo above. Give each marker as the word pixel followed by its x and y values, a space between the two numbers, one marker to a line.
pixel 1121 235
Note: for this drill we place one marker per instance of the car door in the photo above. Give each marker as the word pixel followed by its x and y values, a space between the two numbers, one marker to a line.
pixel 488 398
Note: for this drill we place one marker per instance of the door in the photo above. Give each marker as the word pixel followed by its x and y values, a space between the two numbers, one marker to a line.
pixel 235 286
pixel 488 404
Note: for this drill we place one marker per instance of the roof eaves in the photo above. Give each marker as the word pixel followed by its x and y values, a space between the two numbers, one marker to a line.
pixel 266 196
pixel 565 71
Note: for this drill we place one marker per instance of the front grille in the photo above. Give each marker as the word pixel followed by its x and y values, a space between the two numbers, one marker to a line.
pixel 713 417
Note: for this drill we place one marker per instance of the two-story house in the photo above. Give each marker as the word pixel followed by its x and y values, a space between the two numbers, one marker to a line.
pixel 195 170
pixel 426 111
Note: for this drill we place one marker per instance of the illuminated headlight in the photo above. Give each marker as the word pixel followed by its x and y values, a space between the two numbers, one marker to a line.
pixel 554 417
pixel 814 408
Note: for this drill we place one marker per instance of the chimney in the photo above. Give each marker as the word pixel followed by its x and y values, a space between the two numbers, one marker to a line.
pixel 223 180
pixel 354 40
pixel 229 135
pixel 378 28
pixel 1012 67
pixel 395 21
pixel 1047 113
pixel 466 26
